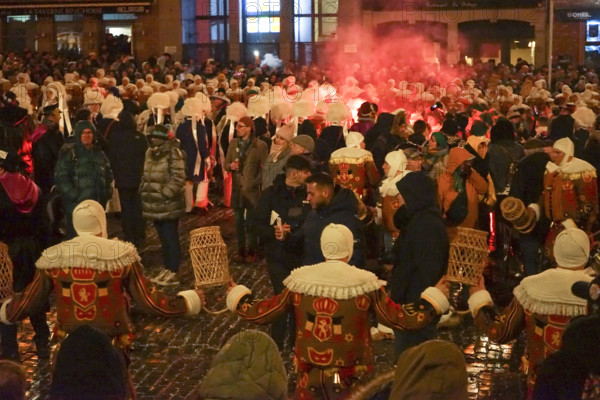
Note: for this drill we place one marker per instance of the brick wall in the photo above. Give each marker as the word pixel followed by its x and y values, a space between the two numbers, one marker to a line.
pixel 569 38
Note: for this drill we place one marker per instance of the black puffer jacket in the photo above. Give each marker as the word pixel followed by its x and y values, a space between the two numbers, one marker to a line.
pixel 163 181
pixel 421 251
pixel 341 210
pixel 126 152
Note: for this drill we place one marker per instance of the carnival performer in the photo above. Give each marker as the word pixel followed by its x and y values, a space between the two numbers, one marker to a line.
pixel 332 301
pixel 543 304
pixel 570 191
pixel 90 275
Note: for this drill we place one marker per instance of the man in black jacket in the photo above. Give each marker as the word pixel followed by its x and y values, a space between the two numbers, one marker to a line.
pixel 46 141
pixel 282 202
pixel 330 205
pixel 420 251
pixel 126 151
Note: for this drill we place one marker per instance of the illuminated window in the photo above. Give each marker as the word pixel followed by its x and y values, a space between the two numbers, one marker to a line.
pixel 18 18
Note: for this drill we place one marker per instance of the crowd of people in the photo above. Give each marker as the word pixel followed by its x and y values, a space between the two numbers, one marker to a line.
pixel 337 178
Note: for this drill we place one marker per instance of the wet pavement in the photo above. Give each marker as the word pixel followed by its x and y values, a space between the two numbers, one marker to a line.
pixel 170 357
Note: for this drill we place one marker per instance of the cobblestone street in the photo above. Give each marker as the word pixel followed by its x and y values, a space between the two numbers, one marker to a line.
pixel 170 357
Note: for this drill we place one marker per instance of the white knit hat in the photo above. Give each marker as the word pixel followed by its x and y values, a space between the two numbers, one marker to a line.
pixel 89 219
pixel 397 162
pixel 354 139
pixel 572 248
pixel 337 242
pixel 566 146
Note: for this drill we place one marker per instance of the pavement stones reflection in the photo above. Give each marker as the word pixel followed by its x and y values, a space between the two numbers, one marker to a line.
pixel 171 356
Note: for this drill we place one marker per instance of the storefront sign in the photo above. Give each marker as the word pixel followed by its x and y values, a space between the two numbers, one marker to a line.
pixel 577 15
pixel 38 7
pixel 380 5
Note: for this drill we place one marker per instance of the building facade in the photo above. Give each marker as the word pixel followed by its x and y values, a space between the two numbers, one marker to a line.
pixel 148 27
pixel 305 30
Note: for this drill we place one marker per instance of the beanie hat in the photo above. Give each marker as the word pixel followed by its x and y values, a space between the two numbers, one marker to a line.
pixel 337 242
pixel 160 132
pixel 286 132
pixel 566 146
pixel 89 219
pixel 354 139
pixel 82 126
pixel 440 138
pixel 479 128
pixel 248 122
pixel 397 162
pixel 305 141
pixel 572 248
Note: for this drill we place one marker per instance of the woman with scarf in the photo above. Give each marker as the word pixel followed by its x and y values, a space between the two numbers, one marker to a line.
pixel 435 156
pixel 280 152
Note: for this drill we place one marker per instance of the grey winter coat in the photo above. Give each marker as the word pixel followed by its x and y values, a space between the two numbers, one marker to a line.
pixel 163 182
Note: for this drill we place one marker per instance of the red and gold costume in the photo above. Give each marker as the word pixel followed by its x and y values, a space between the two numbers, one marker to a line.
pixel 543 305
pixel 354 169
pixel 332 302
pixel 570 192
pixel 89 276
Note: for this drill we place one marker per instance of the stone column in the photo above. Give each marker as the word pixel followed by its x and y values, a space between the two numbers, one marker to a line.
pixel 44 29
pixel 452 42
pixel 286 34
pixel 234 30
pixel 541 45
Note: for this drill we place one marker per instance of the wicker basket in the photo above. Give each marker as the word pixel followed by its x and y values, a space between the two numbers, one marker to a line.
pixel 515 212
pixel 209 257
pixel 6 272
pixel 468 256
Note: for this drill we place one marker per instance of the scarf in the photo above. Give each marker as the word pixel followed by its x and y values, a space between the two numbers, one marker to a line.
pixel 276 150
pixel 242 148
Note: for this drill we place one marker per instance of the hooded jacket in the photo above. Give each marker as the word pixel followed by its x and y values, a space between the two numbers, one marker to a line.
pixel 421 251
pixel 248 367
pixel 432 370
pixel 474 186
pixel 82 174
pixel 163 181
pixel 341 210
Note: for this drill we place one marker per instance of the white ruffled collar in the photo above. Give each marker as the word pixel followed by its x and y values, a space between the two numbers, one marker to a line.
pixel 87 251
pixel 335 279
pixel 549 293
pixel 575 166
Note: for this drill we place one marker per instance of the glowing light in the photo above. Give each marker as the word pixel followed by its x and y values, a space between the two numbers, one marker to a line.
pixel 256 53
